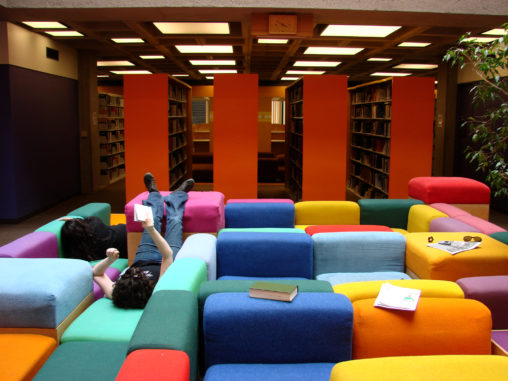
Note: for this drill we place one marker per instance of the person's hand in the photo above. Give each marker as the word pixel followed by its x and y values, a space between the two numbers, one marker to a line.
pixel 147 224
pixel 112 254
pixel 65 218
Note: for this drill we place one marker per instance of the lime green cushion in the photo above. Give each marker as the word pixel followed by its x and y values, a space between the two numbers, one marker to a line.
pixel 184 274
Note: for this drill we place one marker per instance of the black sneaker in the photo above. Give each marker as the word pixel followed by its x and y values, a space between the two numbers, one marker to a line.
pixel 186 186
pixel 150 182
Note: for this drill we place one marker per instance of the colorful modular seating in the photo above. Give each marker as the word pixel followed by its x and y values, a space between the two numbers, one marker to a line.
pixel 259 213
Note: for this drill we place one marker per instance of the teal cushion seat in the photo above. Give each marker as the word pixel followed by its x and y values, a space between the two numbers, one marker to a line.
pixel 184 274
pixel 97 209
pixel 500 236
pixel 102 321
pixel 84 361
pixel 388 212
pixel 55 227
pixel 120 264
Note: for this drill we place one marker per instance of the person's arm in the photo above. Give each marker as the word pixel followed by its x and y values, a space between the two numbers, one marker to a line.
pixel 99 276
pixel 162 245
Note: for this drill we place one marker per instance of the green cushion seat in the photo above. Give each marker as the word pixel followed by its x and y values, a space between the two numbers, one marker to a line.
pixel 55 227
pixel 388 212
pixel 102 321
pixel 97 209
pixel 500 236
pixel 185 273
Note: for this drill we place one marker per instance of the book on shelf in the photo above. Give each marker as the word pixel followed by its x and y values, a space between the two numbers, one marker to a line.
pixel 399 298
pixel 274 291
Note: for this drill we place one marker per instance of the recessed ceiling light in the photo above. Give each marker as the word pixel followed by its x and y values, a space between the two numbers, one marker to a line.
pixel 480 39
pixel 180 75
pixel 385 74
pixel 409 44
pixel 379 59
pixel 496 32
pixel 153 57
pixel 272 41
pixel 44 24
pixel 131 72
pixel 317 63
pixel 102 76
pixel 212 62
pixel 304 72
pixel 209 77
pixel 129 40
pixel 114 63
pixel 193 27
pixel 415 66
pixel 219 71
pixel 64 33
pixel 204 48
pixel 289 78
pixel 332 51
pixel 359 30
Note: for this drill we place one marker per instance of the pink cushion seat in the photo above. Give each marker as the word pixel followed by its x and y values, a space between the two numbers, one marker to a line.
pixel 449 210
pixel 204 212
pixel 483 226
pixel 452 190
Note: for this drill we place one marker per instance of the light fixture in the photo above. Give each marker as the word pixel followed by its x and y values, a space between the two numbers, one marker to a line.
pixel 332 50
pixel 379 59
pixel 219 71
pixel 131 72
pixel 289 78
pixel 128 40
pixel 272 41
pixel 44 24
pixel 317 63
pixel 359 30
pixel 386 74
pixel 304 72
pixel 213 62
pixel 204 48
pixel 180 75
pixel 416 66
pixel 209 77
pixel 193 27
pixel 496 32
pixel 480 39
pixel 102 76
pixel 409 44
pixel 114 63
pixel 64 33
pixel 152 57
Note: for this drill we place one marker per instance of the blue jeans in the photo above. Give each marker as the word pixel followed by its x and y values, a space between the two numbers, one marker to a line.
pixel 175 207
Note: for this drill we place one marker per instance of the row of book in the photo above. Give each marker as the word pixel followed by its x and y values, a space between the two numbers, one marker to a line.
pixel 177 93
pixel 177 175
pixel 177 141
pixel 296 110
pixel 377 179
pixel 110 124
pixel 374 127
pixel 370 143
pixel 110 111
pixel 177 109
pixel 364 189
pixel 177 125
pixel 106 149
pixel 109 162
pixel 380 111
pixel 372 94
pixel 297 126
pixel 296 93
pixel 114 173
pixel 177 157
pixel 110 136
pixel 110 100
pixel 297 142
pixel 373 160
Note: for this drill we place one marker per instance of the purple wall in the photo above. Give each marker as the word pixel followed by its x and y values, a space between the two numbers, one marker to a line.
pixel 39 141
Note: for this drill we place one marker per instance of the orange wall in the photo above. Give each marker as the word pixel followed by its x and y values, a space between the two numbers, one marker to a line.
pixel 411 132
pixel 325 106
pixel 146 131
pixel 235 135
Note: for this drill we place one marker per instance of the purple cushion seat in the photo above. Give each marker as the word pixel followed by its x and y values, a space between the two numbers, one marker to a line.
pixel 38 244
pixel 491 291
pixel 113 274
pixel 447 224
pixel 501 339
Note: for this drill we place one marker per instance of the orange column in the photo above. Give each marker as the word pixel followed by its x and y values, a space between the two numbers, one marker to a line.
pixel 146 131
pixel 325 106
pixel 235 135
pixel 412 130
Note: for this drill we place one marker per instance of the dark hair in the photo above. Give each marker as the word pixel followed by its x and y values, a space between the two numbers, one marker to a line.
pixel 78 239
pixel 132 289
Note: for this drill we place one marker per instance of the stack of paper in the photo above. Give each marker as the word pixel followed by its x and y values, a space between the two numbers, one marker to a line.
pixel 454 247
pixel 142 212
pixel 399 298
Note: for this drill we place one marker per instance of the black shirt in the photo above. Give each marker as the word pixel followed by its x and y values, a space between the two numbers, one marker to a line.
pixel 108 236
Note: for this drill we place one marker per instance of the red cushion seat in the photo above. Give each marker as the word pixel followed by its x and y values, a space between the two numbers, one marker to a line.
pixel 155 365
pixel 452 190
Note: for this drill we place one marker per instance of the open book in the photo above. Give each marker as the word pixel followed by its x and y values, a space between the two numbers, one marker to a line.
pixel 454 247
pixel 399 298
pixel 142 212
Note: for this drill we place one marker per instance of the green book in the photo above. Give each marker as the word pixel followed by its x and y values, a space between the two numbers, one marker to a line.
pixel 273 291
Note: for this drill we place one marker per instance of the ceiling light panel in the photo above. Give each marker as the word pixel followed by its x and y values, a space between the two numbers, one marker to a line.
pixel 289 78
pixel 317 63
pixel 332 50
pixel 193 27
pixel 386 74
pixel 409 44
pixel 44 24
pixel 272 41
pixel 64 33
pixel 496 32
pixel 128 40
pixel 180 75
pixel 114 63
pixel 131 72
pixel 218 71
pixel 213 62
pixel 152 57
pixel 480 39
pixel 379 59
pixel 359 30
pixel 304 72
pixel 204 48
pixel 416 66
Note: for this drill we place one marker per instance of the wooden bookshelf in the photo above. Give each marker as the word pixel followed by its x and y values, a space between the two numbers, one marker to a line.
pixel 316 138
pixel 391 136
pixel 111 138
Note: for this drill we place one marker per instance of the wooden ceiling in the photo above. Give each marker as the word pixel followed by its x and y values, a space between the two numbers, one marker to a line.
pixel 270 62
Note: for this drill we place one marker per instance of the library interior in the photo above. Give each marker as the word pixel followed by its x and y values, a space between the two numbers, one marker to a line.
pixel 327 145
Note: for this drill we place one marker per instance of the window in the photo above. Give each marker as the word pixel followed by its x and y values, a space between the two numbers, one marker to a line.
pixel 278 111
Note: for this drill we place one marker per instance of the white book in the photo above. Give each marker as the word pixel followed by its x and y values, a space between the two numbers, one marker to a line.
pixel 399 298
pixel 142 212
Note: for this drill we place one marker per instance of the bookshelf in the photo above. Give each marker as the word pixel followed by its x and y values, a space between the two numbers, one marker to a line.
pixel 111 138
pixel 391 135
pixel 316 138
pixel 179 131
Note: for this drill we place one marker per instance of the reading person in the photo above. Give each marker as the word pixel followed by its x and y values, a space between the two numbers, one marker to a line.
pixel 155 253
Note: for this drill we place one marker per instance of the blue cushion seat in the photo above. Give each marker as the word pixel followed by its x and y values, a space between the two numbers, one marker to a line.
pixel 260 215
pixel 270 372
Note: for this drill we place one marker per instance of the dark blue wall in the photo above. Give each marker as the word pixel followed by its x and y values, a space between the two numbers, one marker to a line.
pixel 39 141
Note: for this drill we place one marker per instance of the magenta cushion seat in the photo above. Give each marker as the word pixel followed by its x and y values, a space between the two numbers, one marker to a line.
pixel 243 200
pixel 449 210
pixel 37 244
pixel 483 226
pixel 204 212
pixel 447 224
pixel 452 190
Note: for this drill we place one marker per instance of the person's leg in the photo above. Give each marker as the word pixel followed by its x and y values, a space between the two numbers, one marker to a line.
pixel 175 207
pixel 147 250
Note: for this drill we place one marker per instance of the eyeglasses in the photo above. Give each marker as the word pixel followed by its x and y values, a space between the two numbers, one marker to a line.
pixel 474 238
pixel 430 239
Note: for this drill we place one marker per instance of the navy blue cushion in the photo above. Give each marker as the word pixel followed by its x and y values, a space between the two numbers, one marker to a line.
pixel 260 215
pixel 253 254
pixel 270 372
pixel 314 327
